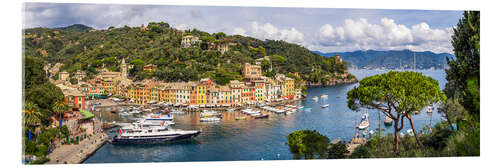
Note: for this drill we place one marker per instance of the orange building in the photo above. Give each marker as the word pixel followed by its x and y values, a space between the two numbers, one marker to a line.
pixel 73 97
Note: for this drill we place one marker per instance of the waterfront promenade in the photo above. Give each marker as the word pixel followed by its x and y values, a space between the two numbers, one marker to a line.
pixel 74 154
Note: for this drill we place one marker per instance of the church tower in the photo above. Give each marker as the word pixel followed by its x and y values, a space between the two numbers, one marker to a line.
pixel 124 69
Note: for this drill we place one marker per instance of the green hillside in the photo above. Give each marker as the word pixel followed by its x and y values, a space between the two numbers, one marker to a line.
pixel 159 44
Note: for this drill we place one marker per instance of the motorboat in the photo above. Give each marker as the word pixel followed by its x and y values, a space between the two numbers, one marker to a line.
pixel 210 119
pixel 325 106
pixel 315 98
pixel 140 134
pixel 250 111
pixel 307 109
pixel 125 113
pixel 241 118
pixel 177 111
pixel 158 117
pixel 147 123
pixel 387 121
pixel 207 113
pixel 324 96
pixel 261 116
pixel 429 109
pixel 365 122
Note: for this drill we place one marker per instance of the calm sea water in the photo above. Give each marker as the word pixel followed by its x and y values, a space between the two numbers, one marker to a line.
pixel 231 140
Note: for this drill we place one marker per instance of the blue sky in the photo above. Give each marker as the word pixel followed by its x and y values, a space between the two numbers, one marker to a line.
pixel 323 29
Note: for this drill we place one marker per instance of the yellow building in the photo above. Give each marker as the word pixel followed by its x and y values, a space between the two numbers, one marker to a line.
pixel 251 71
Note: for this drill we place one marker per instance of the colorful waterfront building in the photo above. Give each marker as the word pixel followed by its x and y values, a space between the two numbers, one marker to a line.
pixel 73 97
pixel 235 87
pixel 248 94
pixel 225 96
pixel 259 90
pixel 250 72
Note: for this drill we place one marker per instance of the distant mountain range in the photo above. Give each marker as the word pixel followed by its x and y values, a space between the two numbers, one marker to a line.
pixel 392 59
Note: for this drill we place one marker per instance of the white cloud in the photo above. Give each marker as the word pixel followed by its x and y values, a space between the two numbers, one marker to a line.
pixel 387 35
pixel 239 31
pixel 182 27
pixel 269 31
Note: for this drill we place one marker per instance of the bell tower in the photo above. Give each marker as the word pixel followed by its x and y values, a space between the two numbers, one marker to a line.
pixel 124 69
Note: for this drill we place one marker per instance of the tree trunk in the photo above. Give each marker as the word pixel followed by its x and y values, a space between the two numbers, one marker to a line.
pixel 415 132
pixel 396 136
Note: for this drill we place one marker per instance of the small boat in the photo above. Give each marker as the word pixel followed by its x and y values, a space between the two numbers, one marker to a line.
pixel 159 117
pixel 255 114
pixel 177 111
pixel 315 98
pixel 241 118
pixel 230 110
pixel 429 109
pixel 387 121
pixel 125 114
pixel 365 122
pixel 209 119
pixel 261 116
pixel 210 114
pixel 325 106
pixel 372 132
pixel 324 96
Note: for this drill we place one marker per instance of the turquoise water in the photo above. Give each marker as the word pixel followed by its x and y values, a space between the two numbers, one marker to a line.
pixel 231 140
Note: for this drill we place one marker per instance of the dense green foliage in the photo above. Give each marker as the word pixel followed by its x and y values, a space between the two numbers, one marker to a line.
pixel 398 95
pixel 441 142
pixel 38 90
pixel 160 44
pixel 391 59
pixel 463 75
pixel 337 150
pixel 308 144
pixel 42 100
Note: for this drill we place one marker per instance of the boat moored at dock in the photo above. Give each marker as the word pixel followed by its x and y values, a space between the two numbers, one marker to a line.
pixel 141 134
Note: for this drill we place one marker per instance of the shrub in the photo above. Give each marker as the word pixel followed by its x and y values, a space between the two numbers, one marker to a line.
pixel 29 147
pixel 337 151
pixel 41 150
pixel 361 152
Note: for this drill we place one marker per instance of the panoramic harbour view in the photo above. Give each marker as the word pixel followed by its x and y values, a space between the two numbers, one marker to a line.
pixel 256 139
pixel 196 84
